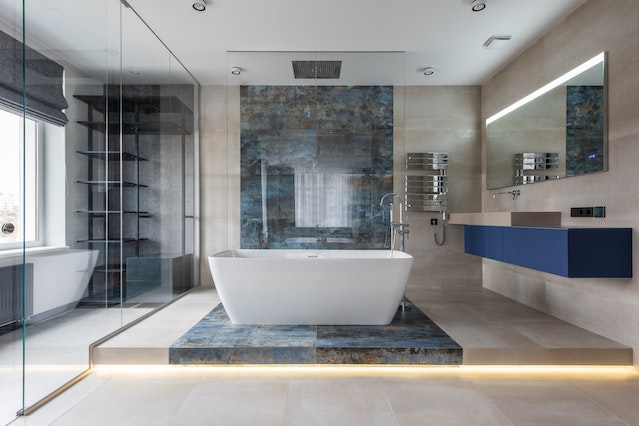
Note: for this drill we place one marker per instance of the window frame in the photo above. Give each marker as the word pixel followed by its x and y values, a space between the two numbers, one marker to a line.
pixel 38 180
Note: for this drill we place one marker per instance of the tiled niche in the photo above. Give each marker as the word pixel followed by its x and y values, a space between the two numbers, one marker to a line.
pixel 315 161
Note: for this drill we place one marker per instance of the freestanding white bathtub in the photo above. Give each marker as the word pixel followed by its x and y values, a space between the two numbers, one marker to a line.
pixel 328 287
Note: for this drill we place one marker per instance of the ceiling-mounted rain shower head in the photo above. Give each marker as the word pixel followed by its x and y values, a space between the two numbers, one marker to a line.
pixel 317 69
pixel 199 5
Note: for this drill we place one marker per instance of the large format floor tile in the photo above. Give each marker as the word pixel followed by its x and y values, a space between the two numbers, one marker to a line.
pixel 495 330
pixel 491 329
pixel 333 396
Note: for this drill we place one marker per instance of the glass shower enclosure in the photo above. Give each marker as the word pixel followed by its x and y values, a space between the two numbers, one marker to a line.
pixel 99 125
pixel 317 146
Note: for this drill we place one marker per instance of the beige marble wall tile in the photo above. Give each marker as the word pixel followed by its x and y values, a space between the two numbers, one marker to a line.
pixel 444 118
pixel 436 119
pixel 604 306
pixel 214 178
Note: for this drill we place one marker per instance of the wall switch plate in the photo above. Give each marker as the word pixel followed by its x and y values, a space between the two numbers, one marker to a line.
pixel 433 221
pixel 581 211
pixel 599 211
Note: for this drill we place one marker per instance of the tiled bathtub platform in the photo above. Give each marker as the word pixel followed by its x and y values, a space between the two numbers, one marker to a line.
pixel 411 339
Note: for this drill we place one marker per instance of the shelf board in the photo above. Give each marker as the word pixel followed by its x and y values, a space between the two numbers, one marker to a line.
pixel 101 126
pixel 109 268
pixel 112 155
pixel 144 104
pixel 109 241
pixel 112 184
pixel 158 127
pixel 141 127
pixel 101 213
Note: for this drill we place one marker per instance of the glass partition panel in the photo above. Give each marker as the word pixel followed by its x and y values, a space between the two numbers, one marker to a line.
pixel 73 270
pixel 158 100
pixel 102 132
pixel 316 145
pixel 12 268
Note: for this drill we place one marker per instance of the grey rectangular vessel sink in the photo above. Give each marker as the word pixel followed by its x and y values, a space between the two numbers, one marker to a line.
pixel 543 219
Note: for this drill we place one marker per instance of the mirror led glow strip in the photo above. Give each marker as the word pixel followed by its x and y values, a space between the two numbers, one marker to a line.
pixel 555 83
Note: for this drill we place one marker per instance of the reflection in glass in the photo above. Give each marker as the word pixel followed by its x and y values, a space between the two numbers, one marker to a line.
pixel 316 193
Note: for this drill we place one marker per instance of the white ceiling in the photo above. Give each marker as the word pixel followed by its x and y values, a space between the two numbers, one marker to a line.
pixel 443 34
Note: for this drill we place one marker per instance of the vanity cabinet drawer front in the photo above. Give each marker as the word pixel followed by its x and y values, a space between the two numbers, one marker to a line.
pixel 484 241
pixel 537 248
pixel 600 252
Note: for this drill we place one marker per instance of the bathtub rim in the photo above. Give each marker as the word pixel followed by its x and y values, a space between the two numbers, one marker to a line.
pixel 310 254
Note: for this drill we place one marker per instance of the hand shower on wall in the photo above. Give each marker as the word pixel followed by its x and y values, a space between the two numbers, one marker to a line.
pixel 426 184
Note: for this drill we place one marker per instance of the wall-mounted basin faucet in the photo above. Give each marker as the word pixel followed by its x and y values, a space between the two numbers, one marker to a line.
pixel 515 193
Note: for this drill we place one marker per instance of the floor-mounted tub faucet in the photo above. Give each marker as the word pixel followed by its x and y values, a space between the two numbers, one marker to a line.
pixel 392 195
pixel 400 227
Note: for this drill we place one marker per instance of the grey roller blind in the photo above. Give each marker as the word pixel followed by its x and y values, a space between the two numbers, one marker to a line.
pixel 43 82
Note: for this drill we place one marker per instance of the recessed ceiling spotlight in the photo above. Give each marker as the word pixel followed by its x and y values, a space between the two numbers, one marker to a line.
pixel 236 70
pixel 199 5
pixel 478 5
pixel 429 71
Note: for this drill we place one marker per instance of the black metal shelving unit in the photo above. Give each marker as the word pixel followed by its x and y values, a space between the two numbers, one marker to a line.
pixel 115 184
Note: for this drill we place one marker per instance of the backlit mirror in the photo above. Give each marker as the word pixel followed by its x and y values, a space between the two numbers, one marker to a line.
pixel 555 132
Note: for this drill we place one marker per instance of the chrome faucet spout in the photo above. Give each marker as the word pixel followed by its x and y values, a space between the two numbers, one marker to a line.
pixel 390 194
pixel 515 193
pixel 401 205
pixel 396 228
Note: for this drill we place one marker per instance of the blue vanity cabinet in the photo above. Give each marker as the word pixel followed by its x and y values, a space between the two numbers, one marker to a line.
pixel 569 252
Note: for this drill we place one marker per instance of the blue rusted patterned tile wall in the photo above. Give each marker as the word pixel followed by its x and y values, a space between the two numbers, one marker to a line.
pixel 338 134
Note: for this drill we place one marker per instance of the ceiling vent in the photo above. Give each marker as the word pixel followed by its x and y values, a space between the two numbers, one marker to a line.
pixel 317 69
pixel 497 42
